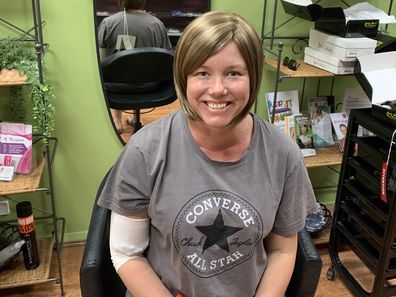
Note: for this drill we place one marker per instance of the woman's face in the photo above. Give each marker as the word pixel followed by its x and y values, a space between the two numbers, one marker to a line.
pixel 218 90
pixel 343 130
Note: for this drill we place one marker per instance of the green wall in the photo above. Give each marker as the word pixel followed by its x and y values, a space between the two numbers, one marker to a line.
pixel 87 143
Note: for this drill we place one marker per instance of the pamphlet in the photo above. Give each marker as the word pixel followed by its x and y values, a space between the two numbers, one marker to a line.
pixel 355 98
pixel 286 104
pixel 304 135
pixel 340 124
pixel 16 146
pixel 319 112
pixel 289 127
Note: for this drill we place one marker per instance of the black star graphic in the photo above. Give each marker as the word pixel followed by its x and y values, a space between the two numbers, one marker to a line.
pixel 217 233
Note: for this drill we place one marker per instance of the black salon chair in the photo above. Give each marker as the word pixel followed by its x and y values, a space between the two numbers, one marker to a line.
pixel 138 78
pixel 98 278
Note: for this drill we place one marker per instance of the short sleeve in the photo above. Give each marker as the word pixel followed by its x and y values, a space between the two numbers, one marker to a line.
pixel 298 198
pixel 165 42
pixel 126 191
pixel 102 33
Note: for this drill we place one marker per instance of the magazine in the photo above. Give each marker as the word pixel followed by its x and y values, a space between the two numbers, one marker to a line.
pixel 340 124
pixel 286 105
pixel 319 112
pixel 304 135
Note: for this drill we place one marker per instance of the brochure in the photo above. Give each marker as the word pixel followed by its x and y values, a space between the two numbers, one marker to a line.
pixel 319 112
pixel 289 127
pixel 286 104
pixel 340 124
pixel 355 98
pixel 16 146
pixel 304 135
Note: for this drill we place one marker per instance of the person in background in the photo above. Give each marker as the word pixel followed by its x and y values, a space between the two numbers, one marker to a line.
pixel 132 27
pixel 207 201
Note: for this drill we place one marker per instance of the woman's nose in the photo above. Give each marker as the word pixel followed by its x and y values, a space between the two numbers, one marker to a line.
pixel 218 87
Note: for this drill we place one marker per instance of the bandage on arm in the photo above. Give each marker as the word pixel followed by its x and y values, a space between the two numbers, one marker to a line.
pixel 129 237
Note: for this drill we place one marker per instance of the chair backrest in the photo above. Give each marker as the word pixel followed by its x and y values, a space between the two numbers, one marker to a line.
pixel 138 66
pixel 98 277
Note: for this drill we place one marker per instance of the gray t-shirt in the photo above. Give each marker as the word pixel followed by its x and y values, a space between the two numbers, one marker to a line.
pixel 148 30
pixel 209 218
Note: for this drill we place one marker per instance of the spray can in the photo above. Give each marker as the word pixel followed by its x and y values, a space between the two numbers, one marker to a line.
pixel 27 232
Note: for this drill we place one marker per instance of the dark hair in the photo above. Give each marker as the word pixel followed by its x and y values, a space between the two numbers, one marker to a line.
pixel 131 4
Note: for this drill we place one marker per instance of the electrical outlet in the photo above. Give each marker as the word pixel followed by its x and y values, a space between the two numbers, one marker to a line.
pixel 4 208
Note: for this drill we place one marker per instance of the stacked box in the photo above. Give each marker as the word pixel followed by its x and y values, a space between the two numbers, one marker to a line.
pixel 336 54
pixel 16 146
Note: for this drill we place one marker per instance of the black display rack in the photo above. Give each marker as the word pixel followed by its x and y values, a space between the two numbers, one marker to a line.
pixel 364 220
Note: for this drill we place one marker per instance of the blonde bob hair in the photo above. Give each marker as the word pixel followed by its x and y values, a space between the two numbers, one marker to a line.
pixel 204 37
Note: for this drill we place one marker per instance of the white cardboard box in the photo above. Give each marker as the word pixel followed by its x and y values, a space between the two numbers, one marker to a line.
pixel 346 49
pixel 326 62
pixel 377 75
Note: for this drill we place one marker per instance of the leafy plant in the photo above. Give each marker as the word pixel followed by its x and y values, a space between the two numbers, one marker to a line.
pixel 15 54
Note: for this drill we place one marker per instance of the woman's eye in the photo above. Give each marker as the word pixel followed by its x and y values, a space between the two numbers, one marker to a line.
pixel 201 73
pixel 234 73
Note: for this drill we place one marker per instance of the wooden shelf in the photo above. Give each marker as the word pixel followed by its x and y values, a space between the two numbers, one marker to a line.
pixel 23 183
pixel 304 70
pixel 11 78
pixel 325 156
pixel 16 275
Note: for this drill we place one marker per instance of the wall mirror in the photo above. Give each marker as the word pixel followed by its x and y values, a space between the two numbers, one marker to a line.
pixel 176 15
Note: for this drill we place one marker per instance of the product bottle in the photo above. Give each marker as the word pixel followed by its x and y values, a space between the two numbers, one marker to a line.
pixel 27 233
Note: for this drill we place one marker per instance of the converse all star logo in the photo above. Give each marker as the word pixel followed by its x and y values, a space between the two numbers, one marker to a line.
pixel 216 231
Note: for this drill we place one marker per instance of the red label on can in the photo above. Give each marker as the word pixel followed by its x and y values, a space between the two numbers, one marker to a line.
pixel 26 225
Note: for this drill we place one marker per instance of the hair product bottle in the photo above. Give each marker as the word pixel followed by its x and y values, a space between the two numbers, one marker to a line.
pixel 27 232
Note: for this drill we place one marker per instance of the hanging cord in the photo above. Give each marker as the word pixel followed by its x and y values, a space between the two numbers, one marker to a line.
pixel 384 171
pixel 126 32
pixel 390 147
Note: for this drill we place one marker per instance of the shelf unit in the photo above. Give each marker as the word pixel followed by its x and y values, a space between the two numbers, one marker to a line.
pixel 362 220
pixel 304 71
pixel 325 156
pixel 18 276
pixel 328 156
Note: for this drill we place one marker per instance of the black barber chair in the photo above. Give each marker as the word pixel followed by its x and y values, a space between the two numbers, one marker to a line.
pixel 139 78
pixel 98 278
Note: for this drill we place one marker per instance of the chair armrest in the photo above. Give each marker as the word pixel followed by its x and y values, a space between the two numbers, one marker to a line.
pixel 308 266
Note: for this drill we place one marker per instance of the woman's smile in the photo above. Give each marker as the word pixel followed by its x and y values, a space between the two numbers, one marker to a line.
pixel 216 106
pixel 219 89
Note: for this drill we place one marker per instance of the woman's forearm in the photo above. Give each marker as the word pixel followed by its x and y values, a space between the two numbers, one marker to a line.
pixel 281 259
pixel 141 280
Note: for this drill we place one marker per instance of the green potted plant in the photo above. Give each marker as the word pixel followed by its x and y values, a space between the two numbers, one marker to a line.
pixel 19 55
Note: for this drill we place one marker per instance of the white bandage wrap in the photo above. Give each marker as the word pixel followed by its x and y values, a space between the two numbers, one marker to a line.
pixel 128 238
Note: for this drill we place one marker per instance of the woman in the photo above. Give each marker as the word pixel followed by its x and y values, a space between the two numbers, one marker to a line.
pixel 217 193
